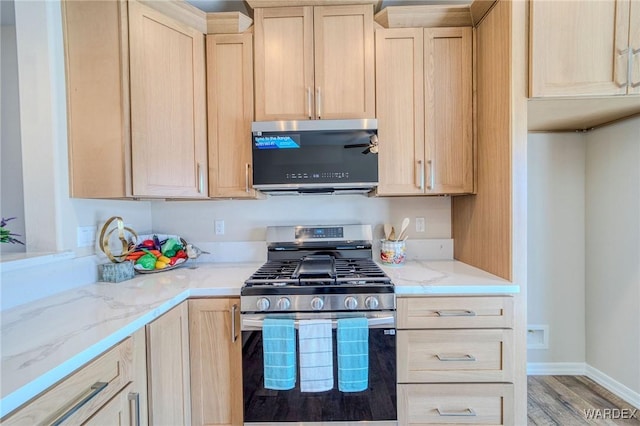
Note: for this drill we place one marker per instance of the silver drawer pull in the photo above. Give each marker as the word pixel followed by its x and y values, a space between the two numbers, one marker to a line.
pixel 466 357
pixel 468 412
pixel 94 390
pixel 135 397
pixel 456 313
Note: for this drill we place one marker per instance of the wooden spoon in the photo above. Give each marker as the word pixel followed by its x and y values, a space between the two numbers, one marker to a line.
pixel 387 231
pixel 403 228
pixel 392 234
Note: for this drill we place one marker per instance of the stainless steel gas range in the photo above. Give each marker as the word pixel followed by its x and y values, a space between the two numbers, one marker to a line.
pixel 322 280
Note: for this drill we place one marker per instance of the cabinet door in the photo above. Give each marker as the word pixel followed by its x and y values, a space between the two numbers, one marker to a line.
pixel 634 45
pixel 97 71
pixel 400 106
pixel 168 368
pixel 216 361
pixel 449 110
pixel 168 106
pixel 230 111
pixel 579 48
pixel 344 62
pixel 284 63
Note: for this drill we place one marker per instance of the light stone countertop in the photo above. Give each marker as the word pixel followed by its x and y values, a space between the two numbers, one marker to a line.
pixel 44 341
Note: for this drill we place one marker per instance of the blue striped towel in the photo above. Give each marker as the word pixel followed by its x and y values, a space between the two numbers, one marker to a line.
pixel 353 354
pixel 279 350
pixel 316 355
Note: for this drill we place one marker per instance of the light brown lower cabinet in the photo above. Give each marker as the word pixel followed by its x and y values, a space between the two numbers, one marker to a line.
pixel 455 360
pixel 447 403
pixel 216 361
pixel 168 368
pixel 110 390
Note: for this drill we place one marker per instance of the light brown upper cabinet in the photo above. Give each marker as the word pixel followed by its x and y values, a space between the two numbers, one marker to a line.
pixel 136 102
pixel 424 104
pixel 587 48
pixel 230 112
pixel 314 63
pixel 168 106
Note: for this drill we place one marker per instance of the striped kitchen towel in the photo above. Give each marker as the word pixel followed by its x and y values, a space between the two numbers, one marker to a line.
pixel 279 350
pixel 353 354
pixel 316 355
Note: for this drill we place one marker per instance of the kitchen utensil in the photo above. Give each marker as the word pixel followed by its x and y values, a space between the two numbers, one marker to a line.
pixel 403 229
pixel 392 234
pixel 387 230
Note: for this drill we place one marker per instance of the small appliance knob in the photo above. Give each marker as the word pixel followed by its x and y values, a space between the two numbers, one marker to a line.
pixel 350 302
pixel 317 303
pixel 263 304
pixel 284 303
pixel 371 302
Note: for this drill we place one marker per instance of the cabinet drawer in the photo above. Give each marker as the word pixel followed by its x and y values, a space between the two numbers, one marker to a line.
pixel 445 404
pixel 455 312
pixel 113 368
pixel 455 356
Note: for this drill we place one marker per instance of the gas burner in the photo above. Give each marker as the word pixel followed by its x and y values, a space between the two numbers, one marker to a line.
pixel 324 268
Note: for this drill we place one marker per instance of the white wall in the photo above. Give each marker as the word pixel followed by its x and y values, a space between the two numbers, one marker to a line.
pixel 11 202
pixel 51 217
pixel 556 243
pixel 613 252
pixel 246 220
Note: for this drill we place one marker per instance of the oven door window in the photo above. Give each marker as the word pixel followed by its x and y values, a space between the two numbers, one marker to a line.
pixel 377 403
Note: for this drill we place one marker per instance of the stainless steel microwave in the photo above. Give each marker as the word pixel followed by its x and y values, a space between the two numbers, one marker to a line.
pixel 315 156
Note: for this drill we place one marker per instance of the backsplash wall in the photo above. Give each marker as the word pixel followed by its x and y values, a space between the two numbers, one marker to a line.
pixel 247 220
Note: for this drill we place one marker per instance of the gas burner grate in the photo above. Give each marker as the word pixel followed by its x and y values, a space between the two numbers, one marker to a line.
pixel 348 272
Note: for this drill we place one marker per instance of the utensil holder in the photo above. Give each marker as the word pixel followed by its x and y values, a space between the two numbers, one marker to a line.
pixel 393 252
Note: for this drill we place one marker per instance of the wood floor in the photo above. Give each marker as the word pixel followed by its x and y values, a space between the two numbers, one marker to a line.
pixel 575 400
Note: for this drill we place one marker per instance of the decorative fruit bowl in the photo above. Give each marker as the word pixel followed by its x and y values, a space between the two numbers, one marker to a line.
pixel 158 253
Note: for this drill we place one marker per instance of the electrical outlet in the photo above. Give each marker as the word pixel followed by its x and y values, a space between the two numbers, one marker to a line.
pixel 86 236
pixel 538 337
pixel 420 224
pixel 219 227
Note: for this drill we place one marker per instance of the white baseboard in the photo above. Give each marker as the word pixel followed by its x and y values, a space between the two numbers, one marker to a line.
pixel 556 368
pixel 584 369
pixel 629 395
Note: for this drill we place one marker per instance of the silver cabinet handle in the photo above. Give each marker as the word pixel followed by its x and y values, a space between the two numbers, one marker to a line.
pixel 234 333
pixel 309 103
pixel 200 179
pixel 135 397
pixel 318 103
pixel 622 54
pixel 421 175
pixel 430 163
pixel 447 358
pixel 456 313
pixel 246 178
pixel 94 390
pixel 468 412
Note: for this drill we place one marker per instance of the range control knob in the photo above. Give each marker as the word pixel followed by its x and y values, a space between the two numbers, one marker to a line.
pixel 283 303
pixel 371 302
pixel 263 304
pixel 350 302
pixel 317 303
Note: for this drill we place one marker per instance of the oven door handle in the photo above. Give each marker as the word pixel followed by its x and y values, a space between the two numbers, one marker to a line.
pixel 382 322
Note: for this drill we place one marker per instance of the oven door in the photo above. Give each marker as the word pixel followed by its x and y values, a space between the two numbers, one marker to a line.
pixel 376 404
